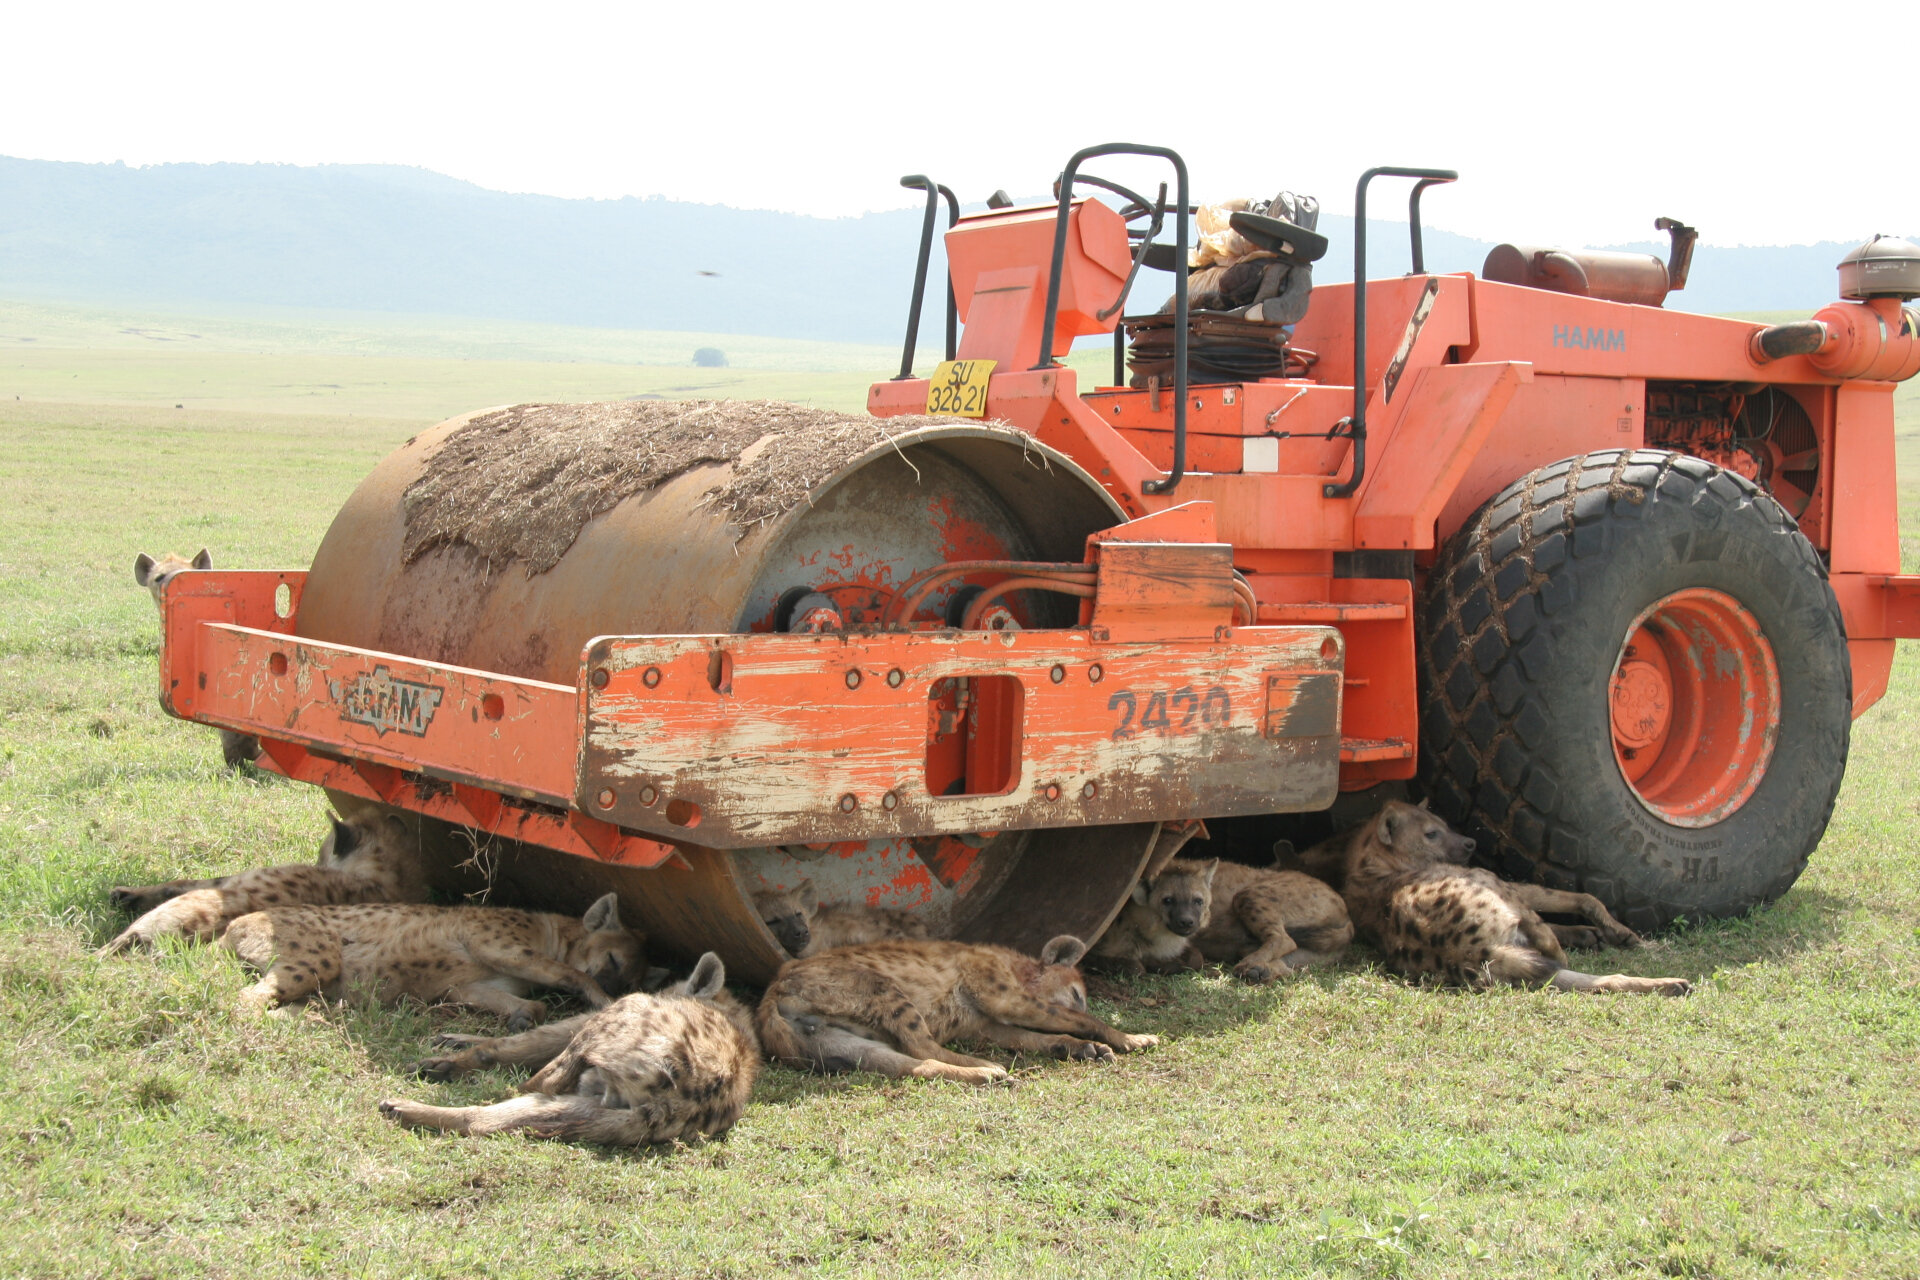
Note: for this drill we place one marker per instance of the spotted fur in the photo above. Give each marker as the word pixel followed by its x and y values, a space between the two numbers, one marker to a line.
pixel 1434 918
pixel 891 1006
pixel 645 1069
pixel 488 957
pixel 370 859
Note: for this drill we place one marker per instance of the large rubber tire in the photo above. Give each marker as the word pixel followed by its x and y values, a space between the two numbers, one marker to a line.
pixel 1521 623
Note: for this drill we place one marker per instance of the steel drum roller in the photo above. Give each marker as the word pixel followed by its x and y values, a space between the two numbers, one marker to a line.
pixel 666 561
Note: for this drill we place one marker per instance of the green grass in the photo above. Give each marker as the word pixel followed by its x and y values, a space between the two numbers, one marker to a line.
pixel 1341 1125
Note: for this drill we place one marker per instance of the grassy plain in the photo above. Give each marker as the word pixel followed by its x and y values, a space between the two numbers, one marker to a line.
pixel 1345 1124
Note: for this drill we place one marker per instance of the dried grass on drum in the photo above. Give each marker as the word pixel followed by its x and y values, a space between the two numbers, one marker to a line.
pixel 520 483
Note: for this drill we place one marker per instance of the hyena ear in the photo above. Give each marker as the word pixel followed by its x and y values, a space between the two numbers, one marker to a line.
pixel 1390 825
pixel 807 896
pixel 204 560
pixel 1283 849
pixel 143 569
pixel 1141 889
pixel 1426 804
pixel 603 916
pixel 346 838
pixel 709 975
pixel 1065 949
pixel 1210 866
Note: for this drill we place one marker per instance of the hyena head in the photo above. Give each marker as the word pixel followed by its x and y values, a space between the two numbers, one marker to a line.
pixel 361 841
pixel 155 574
pixel 1182 895
pixel 1412 836
pixel 607 952
pixel 788 914
pixel 1057 980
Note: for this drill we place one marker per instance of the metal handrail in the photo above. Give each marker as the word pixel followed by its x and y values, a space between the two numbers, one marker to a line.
pixel 934 190
pixel 1047 361
pixel 1357 424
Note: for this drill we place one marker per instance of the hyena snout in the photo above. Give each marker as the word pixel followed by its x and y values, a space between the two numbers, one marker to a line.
pixel 791 932
pixel 1183 923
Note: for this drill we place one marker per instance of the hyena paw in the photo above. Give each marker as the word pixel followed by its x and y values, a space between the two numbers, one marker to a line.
pixel 123 898
pixel 1621 936
pixel 1672 987
pixel 1251 972
pixel 431 1069
pixel 396 1110
pixel 527 1017
pixel 1070 1049
pixel 1131 1043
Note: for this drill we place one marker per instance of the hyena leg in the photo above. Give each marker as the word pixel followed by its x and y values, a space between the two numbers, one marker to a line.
pixel 1265 922
pixel 520 1014
pixel 137 900
pixel 1018 1009
pixel 1540 936
pixel 1055 1046
pixel 291 968
pixel 1577 937
pixel 541 971
pixel 1320 935
pixel 195 914
pixel 535 1048
pixel 1584 905
pixel 837 1049
pixel 1571 980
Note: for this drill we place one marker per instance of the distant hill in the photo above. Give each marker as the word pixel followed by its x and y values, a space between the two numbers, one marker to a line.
pixel 386 238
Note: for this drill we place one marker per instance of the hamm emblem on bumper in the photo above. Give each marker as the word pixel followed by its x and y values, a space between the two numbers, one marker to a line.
pixel 381 702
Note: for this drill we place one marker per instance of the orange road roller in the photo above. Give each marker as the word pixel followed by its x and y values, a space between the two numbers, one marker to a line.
pixel 1606 582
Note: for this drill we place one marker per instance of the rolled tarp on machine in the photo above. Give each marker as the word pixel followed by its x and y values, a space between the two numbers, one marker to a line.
pixel 505 540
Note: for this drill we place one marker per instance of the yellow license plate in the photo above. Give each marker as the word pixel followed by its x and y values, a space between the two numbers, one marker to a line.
pixel 959 388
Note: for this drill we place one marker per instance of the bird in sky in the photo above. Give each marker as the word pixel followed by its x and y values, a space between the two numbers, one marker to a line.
pixel 706 273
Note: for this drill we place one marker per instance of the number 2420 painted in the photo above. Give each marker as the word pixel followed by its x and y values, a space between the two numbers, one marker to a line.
pixel 1211 708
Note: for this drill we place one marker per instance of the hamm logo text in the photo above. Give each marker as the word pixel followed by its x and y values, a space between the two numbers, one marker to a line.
pixel 381 702
pixel 1572 335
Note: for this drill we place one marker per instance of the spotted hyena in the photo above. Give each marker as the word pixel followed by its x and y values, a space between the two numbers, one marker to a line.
pixel 487 957
pixel 645 1069
pixel 235 748
pixel 1262 922
pixel 891 1006
pixel 1435 918
pixel 805 925
pixel 370 859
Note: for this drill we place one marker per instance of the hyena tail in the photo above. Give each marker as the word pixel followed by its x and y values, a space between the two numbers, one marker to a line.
pixel 781 1037
pixel 1517 965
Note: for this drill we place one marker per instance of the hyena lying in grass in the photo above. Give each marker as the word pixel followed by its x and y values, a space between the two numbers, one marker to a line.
pixel 235 748
pixel 1267 922
pixel 1436 918
pixel 371 859
pixel 805 925
pixel 487 957
pixel 890 1007
pixel 647 1068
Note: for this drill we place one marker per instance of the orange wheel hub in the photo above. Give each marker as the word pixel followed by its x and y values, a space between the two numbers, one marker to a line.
pixel 1695 706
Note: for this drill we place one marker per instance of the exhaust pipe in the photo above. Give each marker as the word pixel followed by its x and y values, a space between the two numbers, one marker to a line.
pixel 1777 341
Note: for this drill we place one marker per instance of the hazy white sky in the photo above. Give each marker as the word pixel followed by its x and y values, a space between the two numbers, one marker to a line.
pixel 1568 122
